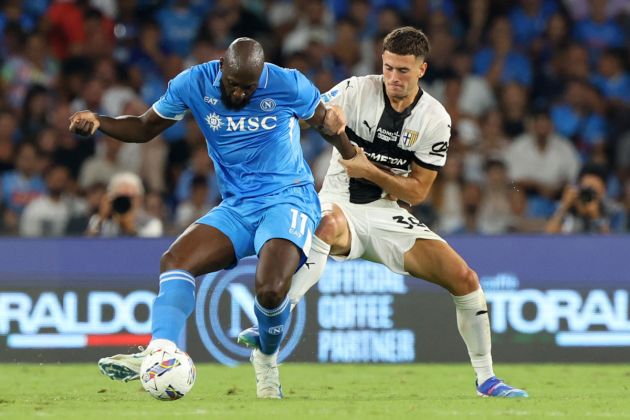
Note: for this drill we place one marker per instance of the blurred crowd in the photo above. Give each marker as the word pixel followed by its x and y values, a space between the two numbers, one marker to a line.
pixel 538 91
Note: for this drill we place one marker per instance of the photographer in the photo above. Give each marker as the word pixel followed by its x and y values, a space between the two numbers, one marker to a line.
pixel 583 207
pixel 122 213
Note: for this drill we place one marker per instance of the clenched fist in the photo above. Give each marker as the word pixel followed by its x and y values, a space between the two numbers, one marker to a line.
pixel 334 121
pixel 84 123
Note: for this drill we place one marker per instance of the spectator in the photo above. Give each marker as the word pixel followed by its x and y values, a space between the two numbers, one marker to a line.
pixel 122 211
pixel 541 162
pixel 612 79
pixel 180 24
pixel 35 112
pixel 576 118
pixel 495 214
pixel 33 65
pixel 78 223
pixel 49 214
pixel 530 19
pixel 514 103
pixel 66 33
pixel 200 165
pixel 101 169
pixel 314 21
pixel 491 144
pixel 584 207
pixel 599 32
pixel 476 97
pixel 499 62
pixel 22 185
pixel 447 197
pixel 196 206
pixel 147 160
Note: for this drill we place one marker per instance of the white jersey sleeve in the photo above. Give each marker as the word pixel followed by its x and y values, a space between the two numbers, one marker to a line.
pixel 431 151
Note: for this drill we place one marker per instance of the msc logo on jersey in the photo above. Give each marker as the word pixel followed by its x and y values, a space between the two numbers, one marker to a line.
pixel 268 104
pixel 214 121
pixel 252 123
pixel 225 306
pixel 409 137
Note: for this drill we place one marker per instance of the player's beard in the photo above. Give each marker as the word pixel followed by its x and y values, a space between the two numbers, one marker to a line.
pixel 227 100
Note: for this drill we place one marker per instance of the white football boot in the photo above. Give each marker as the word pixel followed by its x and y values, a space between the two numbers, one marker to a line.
pixel 267 375
pixel 126 367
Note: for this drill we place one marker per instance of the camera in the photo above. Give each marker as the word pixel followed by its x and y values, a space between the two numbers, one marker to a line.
pixel 121 204
pixel 587 194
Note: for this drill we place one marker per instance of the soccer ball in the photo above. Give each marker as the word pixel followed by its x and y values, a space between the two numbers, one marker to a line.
pixel 167 373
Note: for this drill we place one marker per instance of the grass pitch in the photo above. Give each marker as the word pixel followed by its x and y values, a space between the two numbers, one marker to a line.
pixel 327 392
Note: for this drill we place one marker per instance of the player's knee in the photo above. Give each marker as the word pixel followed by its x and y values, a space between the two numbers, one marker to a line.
pixel 271 296
pixel 329 228
pixel 171 261
pixel 467 280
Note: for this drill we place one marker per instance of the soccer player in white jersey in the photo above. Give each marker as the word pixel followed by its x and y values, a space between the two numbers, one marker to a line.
pixel 402 134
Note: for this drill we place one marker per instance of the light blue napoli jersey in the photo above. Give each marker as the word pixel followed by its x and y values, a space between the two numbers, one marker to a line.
pixel 256 150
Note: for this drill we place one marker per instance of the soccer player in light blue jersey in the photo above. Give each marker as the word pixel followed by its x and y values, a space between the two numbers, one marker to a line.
pixel 248 111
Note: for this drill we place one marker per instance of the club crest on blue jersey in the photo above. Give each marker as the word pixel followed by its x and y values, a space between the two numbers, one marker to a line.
pixel 268 104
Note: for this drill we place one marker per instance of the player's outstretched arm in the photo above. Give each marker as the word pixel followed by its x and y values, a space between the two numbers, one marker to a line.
pixel 330 123
pixel 412 189
pixel 126 128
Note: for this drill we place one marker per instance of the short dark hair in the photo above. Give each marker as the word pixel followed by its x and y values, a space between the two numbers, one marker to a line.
pixel 595 169
pixel 407 41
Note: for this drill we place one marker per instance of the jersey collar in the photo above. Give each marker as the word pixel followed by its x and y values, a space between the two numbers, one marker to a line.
pixel 262 82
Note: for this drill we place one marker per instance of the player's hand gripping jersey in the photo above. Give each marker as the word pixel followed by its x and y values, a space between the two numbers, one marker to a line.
pixel 390 139
pixel 256 149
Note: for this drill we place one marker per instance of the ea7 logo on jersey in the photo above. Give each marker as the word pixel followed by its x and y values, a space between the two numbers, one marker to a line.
pixel 209 100
pixel 409 137
pixel 439 149
pixel 251 123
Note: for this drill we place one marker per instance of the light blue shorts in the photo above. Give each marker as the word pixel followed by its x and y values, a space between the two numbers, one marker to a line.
pixel 291 214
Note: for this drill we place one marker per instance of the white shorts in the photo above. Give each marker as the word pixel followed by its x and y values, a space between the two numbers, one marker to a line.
pixel 380 231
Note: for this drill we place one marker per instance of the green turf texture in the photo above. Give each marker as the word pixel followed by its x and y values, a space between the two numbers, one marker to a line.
pixel 325 392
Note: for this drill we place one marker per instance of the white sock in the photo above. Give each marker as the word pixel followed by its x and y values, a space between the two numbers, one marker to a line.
pixel 310 272
pixel 160 342
pixel 474 327
pixel 267 358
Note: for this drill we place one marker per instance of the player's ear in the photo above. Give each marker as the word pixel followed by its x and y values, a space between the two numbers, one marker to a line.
pixel 423 69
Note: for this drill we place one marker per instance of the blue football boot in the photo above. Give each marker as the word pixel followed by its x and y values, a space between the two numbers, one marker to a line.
pixel 495 387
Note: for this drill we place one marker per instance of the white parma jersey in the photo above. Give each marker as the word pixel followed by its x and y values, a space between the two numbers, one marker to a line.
pixel 390 139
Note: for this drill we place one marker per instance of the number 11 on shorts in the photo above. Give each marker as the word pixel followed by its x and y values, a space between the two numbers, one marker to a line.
pixel 294 222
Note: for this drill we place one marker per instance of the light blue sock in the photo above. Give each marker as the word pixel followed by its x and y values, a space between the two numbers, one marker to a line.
pixel 173 305
pixel 272 325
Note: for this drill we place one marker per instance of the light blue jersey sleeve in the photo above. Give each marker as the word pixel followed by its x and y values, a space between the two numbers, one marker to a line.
pixel 172 105
pixel 307 97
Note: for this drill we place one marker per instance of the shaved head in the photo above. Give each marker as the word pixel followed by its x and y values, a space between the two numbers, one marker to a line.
pixel 241 67
pixel 245 54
